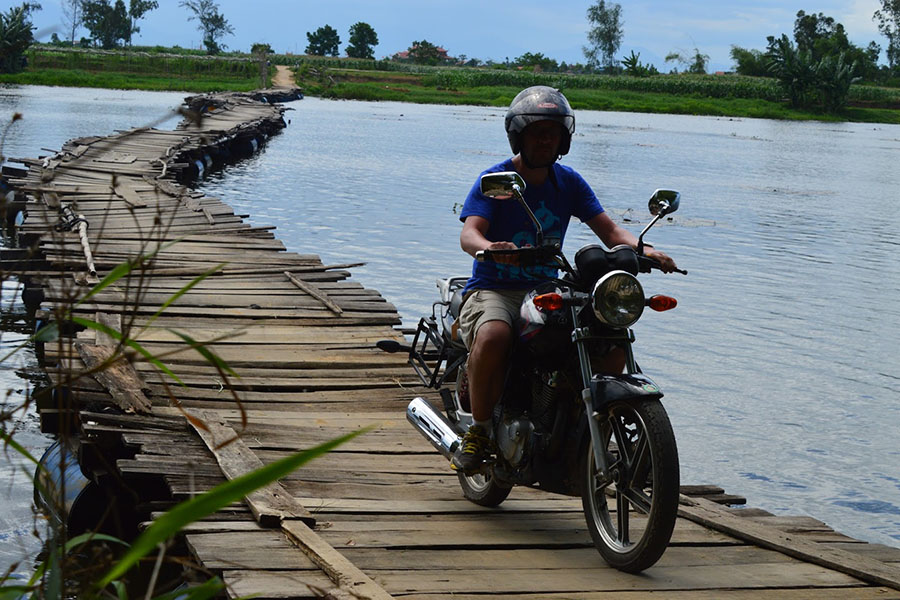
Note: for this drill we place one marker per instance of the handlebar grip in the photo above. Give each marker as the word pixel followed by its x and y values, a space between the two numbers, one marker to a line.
pixel 646 264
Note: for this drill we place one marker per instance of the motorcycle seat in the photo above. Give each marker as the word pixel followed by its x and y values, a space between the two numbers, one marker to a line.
pixel 451 321
pixel 456 301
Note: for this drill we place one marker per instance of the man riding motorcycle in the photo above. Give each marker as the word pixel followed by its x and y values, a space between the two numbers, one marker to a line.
pixel 539 124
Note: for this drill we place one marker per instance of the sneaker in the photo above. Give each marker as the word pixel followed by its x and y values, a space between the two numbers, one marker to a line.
pixel 472 451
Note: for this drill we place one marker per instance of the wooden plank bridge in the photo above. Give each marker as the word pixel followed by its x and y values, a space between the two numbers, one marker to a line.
pixel 380 517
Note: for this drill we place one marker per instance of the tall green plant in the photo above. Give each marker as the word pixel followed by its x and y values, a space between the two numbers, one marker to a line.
pixel 15 37
pixel 795 71
pixel 634 68
pixel 834 76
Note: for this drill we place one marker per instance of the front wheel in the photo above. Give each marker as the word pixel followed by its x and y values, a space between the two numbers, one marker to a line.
pixel 481 489
pixel 631 512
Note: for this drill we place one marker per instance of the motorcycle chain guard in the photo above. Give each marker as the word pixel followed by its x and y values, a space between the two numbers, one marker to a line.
pixel 429 346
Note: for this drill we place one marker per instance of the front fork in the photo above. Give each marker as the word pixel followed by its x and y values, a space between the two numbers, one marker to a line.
pixel 580 337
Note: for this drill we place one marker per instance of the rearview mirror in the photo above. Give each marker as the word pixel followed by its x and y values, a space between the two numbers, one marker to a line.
pixel 663 202
pixel 502 186
pixel 506 185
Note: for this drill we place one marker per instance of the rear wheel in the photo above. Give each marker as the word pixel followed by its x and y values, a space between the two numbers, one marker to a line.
pixel 631 512
pixel 481 489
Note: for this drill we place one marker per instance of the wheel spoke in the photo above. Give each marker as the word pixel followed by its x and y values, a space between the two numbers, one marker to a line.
pixel 642 464
pixel 638 499
pixel 621 437
pixel 622 517
pixel 600 484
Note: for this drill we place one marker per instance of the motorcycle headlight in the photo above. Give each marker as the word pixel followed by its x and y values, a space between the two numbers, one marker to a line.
pixel 618 299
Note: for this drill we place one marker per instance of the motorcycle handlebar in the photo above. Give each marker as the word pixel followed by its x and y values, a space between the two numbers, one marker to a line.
pixel 529 255
pixel 533 255
pixel 646 264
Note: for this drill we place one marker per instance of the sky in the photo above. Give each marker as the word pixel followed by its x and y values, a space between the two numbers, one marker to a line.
pixel 487 29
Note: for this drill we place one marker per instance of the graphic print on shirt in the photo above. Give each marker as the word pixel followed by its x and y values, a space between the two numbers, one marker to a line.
pixel 550 224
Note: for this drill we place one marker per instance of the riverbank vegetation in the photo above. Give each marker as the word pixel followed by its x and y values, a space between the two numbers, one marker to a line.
pixel 141 69
pixel 816 74
pixel 171 69
pixel 684 93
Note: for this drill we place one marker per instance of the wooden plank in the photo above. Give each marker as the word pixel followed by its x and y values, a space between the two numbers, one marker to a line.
pixel 119 378
pixel 345 574
pixel 116 158
pixel 265 549
pixel 316 293
pixel 113 322
pixel 525 559
pixel 332 506
pixel 486 532
pixel 271 504
pixel 577 581
pixel 877 551
pixel 125 189
pixel 300 585
pixel 270 550
pixel 865 568
pixel 812 593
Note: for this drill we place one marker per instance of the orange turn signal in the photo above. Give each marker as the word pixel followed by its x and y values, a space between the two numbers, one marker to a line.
pixel 661 303
pixel 552 301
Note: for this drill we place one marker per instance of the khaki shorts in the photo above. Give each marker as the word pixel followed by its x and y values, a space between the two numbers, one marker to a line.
pixel 482 306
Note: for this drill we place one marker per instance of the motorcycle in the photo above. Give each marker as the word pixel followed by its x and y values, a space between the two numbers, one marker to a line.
pixel 562 424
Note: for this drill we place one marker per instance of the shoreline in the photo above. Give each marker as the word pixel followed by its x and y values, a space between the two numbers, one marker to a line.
pixel 405 87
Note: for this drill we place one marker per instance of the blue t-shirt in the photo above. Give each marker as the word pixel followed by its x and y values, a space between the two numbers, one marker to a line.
pixel 563 195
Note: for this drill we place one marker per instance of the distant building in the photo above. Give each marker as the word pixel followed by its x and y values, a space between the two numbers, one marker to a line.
pixel 442 56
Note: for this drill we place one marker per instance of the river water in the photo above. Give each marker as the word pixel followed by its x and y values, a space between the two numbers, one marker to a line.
pixel 779 364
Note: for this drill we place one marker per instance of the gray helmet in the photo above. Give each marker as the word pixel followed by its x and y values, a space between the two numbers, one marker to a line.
pixel 539 103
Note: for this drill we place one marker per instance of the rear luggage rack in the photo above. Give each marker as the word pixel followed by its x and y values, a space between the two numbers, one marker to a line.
pixel 429 346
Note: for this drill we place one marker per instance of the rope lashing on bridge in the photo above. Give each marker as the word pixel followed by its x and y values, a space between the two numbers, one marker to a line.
pixel 69 220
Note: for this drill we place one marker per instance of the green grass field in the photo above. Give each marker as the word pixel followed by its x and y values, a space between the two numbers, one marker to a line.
pixel 127 81
pixel 717 95
pixel 137 70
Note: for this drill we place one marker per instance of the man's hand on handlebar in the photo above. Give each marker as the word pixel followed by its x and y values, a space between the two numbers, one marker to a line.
pixel 666 264
pixel 509 259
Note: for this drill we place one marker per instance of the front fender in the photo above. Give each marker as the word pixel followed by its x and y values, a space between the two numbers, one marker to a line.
pixel 606 389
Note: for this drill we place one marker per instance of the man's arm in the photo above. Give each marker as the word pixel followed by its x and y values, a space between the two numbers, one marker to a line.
pixel 472 239
pixel 613 235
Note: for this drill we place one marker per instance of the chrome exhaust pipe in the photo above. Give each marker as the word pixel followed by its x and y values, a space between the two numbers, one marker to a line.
pixel 434 426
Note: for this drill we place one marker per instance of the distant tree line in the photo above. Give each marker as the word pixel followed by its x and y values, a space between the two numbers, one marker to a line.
pixel 112 24
pixel 325 41
pixel 818 65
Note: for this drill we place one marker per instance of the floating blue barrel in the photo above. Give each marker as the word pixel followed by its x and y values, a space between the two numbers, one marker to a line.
pixel 59 484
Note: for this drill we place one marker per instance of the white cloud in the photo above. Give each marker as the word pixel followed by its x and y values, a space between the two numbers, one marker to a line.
pixel 858 21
